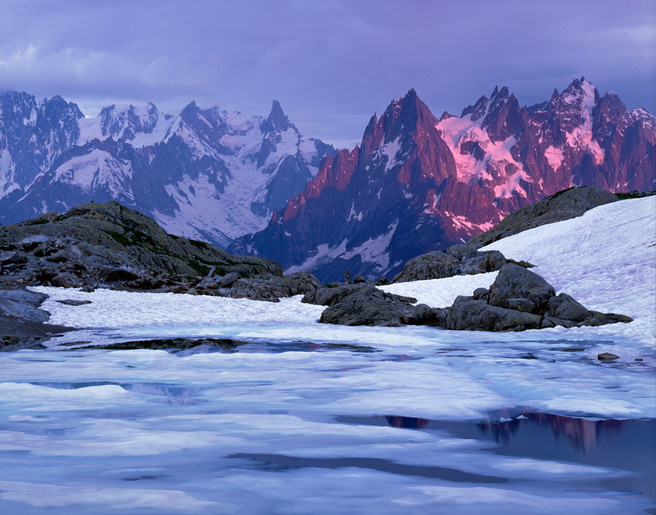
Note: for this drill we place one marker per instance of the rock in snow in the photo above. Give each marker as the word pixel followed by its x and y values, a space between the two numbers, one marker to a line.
pixel 517 300
pixel 456 260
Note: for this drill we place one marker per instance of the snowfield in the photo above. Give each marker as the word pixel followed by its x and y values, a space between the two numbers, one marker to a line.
pixel 412 419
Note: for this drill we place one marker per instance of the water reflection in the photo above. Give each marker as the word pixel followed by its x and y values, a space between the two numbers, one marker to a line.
pixel 502 425
pixel 627 445
pixel 407 422
pixel 582 433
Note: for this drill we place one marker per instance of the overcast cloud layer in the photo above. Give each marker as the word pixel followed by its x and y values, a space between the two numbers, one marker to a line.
pixel 331 63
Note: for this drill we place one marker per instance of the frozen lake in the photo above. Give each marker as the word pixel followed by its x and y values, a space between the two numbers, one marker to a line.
pixel 309 418
pixel 295 428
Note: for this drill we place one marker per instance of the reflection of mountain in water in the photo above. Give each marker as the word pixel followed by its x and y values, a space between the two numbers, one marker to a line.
pixel 581 433
pixel 407 422
pixel 501 425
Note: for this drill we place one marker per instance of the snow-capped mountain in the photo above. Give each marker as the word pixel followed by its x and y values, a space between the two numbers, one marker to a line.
pixel 201 173
pixel 417 183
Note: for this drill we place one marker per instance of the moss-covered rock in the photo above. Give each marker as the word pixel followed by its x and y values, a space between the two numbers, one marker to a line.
pixel 107 244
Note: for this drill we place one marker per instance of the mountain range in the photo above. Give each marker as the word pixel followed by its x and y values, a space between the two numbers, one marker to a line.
pixel 418 183
pixel 200 173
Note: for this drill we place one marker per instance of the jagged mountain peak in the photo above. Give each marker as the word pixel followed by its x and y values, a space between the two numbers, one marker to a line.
pixel 580 90
pixel 125 121
pixel 406 115
pixel 499 94
pixel 191 109
pixel 405 119
pixel 477 109
pixel 277 119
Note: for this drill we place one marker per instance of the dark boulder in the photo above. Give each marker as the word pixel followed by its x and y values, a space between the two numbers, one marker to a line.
pixel 273 287
pixel 22 323
pixel 565 307
pixel 467 313
pixel 329 295
pixel 456 260
pixel 74 302
pixel 518 300
pixel 514 283
pixel 66 280
pixel 425 315
pixel 367 305
pixel 23 304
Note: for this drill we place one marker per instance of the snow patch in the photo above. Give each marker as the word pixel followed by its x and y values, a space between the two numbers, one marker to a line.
pixel 7 170
pixel 441 293
pixel 498 156
pixel 581 137
pixel 461 222
pixel 554 157
pixel 322 254
pixel 374 250
pixel 388 151
pixel 95 170
pixel 353 215
pixel 512 184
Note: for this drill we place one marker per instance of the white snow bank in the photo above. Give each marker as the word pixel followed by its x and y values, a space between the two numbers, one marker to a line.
pixel 605 259
pixel 440 293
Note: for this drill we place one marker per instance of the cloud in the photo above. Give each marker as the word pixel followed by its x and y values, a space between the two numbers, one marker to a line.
pixel 330 63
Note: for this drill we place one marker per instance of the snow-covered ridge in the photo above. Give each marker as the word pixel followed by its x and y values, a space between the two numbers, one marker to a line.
pixel 203 173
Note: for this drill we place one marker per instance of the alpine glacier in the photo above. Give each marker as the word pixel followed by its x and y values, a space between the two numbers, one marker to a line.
pixel 201 173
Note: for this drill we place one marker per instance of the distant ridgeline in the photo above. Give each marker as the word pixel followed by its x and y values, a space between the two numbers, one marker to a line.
pixel 415 184
pixel 201 173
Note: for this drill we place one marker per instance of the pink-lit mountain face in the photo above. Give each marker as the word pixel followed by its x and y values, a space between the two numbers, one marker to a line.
pixel 417 183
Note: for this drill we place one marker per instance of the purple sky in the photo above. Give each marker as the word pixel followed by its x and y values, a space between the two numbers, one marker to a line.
pixel 331 63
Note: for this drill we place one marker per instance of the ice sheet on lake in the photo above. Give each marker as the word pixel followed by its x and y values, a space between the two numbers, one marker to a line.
pixel 252 432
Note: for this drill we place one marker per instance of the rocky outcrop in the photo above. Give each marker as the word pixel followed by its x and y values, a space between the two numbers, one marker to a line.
pixel 518 300
pixel 362 304
pixel 108 245
pixel 22 323
pixel 467 313
pixel 519 289
pixel 456 260
pixel 259 288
